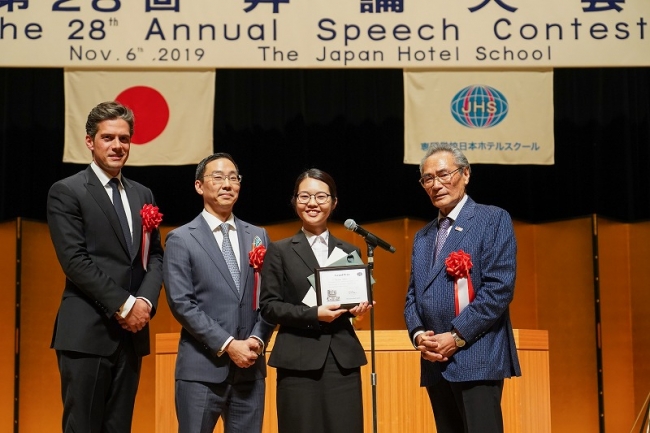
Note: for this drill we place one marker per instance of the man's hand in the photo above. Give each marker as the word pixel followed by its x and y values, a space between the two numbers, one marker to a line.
pixel 436 347
pixel 137 318
pixel 243 352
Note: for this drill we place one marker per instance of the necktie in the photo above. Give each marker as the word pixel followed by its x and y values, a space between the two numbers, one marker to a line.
pixel 443 230
pixel 229 254
pixel 121 214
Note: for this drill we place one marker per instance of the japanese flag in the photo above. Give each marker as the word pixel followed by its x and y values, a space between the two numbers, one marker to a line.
pixel 174 113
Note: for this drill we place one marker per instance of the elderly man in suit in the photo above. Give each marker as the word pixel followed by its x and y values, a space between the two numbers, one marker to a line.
pixel 462 281
pixel 112 286
pixel 210 286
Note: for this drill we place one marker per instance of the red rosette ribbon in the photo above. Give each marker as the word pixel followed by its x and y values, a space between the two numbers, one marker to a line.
pixel 151 219
pixel 256 260
pixel 458 265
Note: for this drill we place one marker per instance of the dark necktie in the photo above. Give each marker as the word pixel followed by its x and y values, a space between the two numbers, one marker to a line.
pixel 443 231
pixel 229 254
pixel 121 214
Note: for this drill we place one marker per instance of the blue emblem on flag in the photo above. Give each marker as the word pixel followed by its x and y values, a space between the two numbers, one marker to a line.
pixel 479 106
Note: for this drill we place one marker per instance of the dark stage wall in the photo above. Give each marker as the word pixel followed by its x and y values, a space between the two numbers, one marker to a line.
pixel 276 123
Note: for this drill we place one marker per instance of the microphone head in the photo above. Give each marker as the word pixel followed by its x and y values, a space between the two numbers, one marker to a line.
pixel 350 224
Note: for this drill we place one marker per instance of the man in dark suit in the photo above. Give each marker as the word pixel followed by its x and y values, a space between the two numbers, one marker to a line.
pixel 210 286
pixel 462 282
pixel 111 289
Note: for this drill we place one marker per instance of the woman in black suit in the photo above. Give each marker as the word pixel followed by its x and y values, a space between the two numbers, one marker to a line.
pixel 317 353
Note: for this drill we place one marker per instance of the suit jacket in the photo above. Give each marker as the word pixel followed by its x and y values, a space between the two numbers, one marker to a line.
pixel 487 235
pixel 101 271
pixel 204 299
pixel 302 341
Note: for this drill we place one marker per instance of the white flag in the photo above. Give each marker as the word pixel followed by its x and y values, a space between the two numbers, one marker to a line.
pixel 174 113
pixel 500 117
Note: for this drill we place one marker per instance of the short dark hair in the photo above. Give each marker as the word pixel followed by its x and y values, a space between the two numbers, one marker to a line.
pixel 200 169
pixel 317 174
pixel 108 111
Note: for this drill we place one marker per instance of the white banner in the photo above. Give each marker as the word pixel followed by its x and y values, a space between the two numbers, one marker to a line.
pixel 493 117
pixel 485 34
pixel 174 113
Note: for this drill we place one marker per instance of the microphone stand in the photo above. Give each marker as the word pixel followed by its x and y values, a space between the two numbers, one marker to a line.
pixel 373 374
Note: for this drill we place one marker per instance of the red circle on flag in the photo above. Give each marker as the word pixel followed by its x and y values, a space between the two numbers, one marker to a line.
pixel 150 109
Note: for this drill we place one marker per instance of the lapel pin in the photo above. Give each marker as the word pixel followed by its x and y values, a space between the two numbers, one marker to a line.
pixel 458 229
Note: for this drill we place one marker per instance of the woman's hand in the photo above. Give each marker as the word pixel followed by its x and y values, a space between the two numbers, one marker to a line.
pixel 329 313
pixel 362 308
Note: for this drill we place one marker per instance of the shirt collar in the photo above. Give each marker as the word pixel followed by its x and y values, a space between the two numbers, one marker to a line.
pixel 312 238
pixel 453 215
pixel 102 175
pixel 214 222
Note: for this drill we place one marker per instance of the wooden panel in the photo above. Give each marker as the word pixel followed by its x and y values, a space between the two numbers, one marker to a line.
pixel 401 404
pixel 391 285
pixel 7 323
pixel 283 230
pixel 526 399
pixel 163 321
pixel 40 396
pixel 523 309
pixel 564 272
pixel 640 311
pixel 616 321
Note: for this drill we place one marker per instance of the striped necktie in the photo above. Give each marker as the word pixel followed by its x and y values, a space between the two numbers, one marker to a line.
pixel 229 254
pixel 443 231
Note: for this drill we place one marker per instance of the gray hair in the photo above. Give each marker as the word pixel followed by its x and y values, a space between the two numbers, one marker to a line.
pixel 459 157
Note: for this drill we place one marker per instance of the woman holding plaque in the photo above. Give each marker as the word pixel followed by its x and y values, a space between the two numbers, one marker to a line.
pixel 317 354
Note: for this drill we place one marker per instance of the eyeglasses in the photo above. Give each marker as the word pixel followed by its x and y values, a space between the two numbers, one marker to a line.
pixel 218 178
pixel 427 180
pixel 320 197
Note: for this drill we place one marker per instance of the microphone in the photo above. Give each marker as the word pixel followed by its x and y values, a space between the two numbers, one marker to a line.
pixel 370 238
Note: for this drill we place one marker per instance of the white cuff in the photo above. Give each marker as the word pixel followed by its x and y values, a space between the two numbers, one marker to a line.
pixel 126 307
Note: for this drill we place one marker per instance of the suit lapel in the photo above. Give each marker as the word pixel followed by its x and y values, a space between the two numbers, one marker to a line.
pixel 333 243
pixel 245 245
pixel 303 250
pixel 98 192
pixel 429 249
pixel 304 255
pixel 459 229
pixel 200 230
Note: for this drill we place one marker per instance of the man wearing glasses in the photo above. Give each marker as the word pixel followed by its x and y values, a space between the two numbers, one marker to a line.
pixel 210 286
pixel 462 281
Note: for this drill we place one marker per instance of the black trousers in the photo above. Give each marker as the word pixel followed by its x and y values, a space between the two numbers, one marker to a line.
pixel 320 401
pixel 99 392
pixel 467 407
